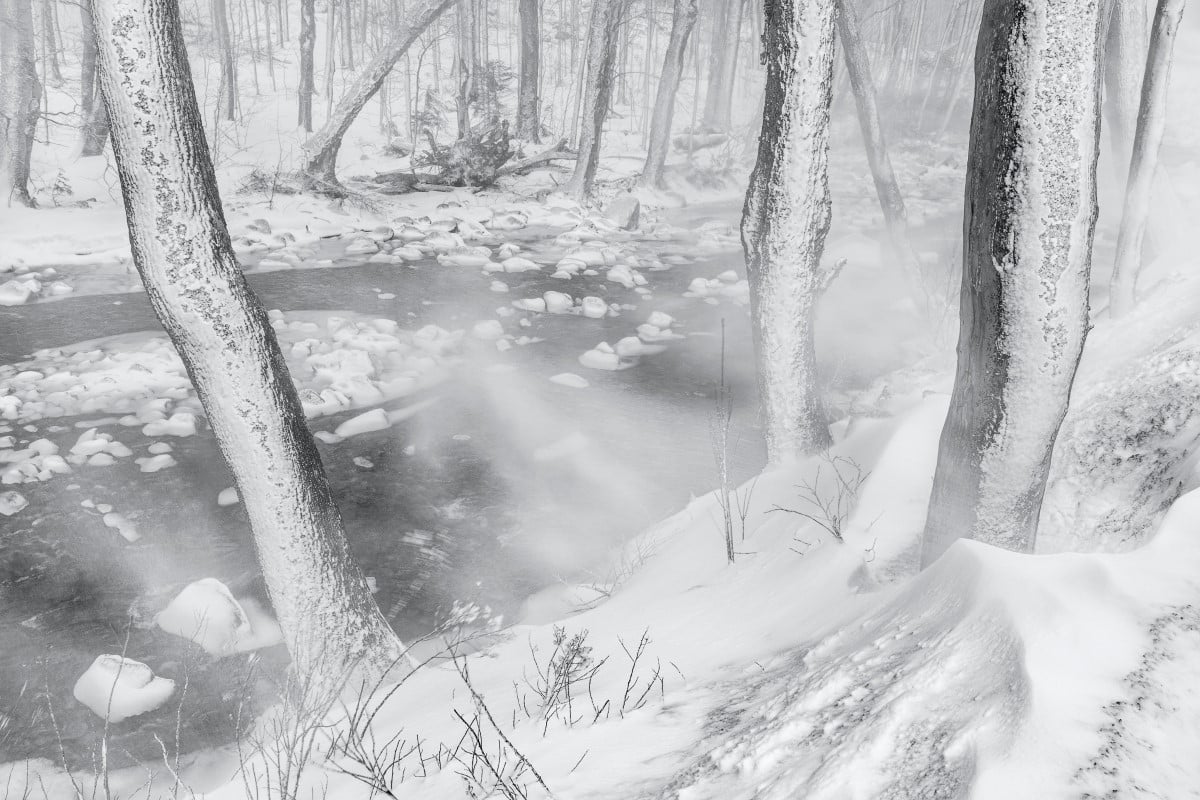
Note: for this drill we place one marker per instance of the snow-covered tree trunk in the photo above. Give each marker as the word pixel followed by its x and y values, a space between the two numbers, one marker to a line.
pixel 1030 217
pixel 1125 48
pixel 20 91
pixel 322 149
pixel 182 250
pixel 605 23
pixel 529 69
pixel 682 23
pixel 95 116
pixel 308 44
pixel 1151 124
pixel 786 219
pixel 891 201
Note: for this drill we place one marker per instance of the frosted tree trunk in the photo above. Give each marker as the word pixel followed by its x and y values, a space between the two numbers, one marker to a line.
pixel 182 250
pixel 1125 49
pixel 1151 124
pixel 682 23
pixel 891 201
pixel 1030 217
pixel 528 122
pixel 20 91
pixel 308 44
pixel 322 149
pixel 605 23
pixel 94 132
pixel 786 219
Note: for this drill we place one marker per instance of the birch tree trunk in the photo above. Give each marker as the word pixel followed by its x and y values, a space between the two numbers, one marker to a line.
pixel 1030 218
pixel 1151 124
pixel 605 23
pixel 308 44
pixel 182 250
pixel 683 20
pixel 891 201
pixel 20 91
pixel 786 219
pixel 322 149
pixel 529 124
pixel 94 132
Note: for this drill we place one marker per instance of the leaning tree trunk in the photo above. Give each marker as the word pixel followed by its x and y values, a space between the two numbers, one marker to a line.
pixel 1151 124
pixel 308 43
pixel 94 132
pixel 605 23
pixel 891 201
pixel 528 122
pixel 786 219
pixel 1030 217
pixel 20 91
pixel 182 250
pixel 322 149
pixel 682 22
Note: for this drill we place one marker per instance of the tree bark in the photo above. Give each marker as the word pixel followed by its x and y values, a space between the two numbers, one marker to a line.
pixel 786 219
pixel 94 131
pixel 605 23
pixel 1125 48
pixel 20 91
pixel 466 63
pixel 683 20
pixel 308 44
pixel 715 117
pixel 529 125
pixel 891 201
pixel 322 149
pixel 220 16
pixel 1028 228
pixel 182 250
pixel 1151 124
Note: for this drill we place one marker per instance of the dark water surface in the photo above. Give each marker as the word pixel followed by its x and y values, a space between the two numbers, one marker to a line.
pixel 475 513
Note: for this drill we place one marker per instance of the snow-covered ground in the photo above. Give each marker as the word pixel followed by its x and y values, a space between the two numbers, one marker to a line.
pixel 814 666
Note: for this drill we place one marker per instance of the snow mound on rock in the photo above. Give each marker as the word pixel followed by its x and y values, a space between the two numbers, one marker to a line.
pixel 119 688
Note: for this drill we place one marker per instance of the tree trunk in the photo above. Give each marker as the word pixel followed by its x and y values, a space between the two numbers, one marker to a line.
pixel 94 132
pixel 220 16
pixel 322 149
pixel 682 23
pixel 20 91
pixel 1125 49
pixel 891 201
pixel 182 250
pixel 786 219
pixel 50 43
pixel 308 44
pixel 718 55
pixel 1151 124
pixel 528 118
pixel 1030 217
pixel 465 64
pixel 605 23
